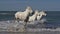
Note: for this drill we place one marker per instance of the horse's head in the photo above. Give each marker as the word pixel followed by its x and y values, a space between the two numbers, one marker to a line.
pixel 29 10
pixel 36 12
pixel 43 13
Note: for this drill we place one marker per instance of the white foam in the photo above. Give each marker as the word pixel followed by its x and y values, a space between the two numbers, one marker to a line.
pixel 15 23
pixel 5 24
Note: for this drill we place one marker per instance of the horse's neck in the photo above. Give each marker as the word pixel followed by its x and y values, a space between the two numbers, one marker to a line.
pixel 35 16
pixel 26 12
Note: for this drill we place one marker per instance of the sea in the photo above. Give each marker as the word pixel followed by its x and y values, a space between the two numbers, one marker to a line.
pixel 53 18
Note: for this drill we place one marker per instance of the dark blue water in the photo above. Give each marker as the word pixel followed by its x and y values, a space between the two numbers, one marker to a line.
pixel 53 17
pixel 7 15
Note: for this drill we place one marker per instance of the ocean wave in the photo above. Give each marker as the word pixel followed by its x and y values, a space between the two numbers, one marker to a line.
pixel 12 23
pixel 43 29
pixel 4 13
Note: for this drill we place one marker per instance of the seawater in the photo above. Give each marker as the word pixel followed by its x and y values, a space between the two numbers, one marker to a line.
pixel 53 17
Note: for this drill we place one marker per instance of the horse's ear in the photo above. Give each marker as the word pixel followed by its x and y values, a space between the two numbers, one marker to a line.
pixel 36 10
pixel 28 7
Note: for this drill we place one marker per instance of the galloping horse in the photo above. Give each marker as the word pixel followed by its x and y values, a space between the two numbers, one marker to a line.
pixel 23 15
pixel 34 16
pixel 37 15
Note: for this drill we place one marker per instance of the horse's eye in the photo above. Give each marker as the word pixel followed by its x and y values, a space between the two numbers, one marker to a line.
pixel 39 15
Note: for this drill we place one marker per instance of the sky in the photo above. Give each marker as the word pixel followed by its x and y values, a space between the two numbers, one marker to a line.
pixel 16 5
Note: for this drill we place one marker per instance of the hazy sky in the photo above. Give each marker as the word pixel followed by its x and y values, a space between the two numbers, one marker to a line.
pixel 15 5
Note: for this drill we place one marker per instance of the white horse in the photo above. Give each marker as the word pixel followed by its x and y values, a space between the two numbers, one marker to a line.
pixel 33 17
pixel 23 15
pixel 42 13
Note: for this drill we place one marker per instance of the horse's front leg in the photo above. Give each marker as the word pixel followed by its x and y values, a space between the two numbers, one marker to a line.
pixel 16 20
pixel 25 24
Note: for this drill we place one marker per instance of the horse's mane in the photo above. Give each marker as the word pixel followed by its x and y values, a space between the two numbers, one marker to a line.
pixel 32 13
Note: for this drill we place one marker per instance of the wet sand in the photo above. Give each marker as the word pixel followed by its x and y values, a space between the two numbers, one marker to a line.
pixel 41 32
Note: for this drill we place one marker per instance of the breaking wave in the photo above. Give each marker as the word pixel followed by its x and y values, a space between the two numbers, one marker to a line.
pixel 12 23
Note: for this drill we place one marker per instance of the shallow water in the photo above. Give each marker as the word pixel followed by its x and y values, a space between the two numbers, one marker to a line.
pixel 53 20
